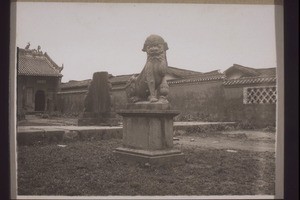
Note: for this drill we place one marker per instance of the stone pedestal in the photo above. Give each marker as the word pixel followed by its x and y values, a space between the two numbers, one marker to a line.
pixel 148 134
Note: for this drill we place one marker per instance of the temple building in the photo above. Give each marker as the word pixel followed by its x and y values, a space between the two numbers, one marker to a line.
pixel 241 94
pixel 38 81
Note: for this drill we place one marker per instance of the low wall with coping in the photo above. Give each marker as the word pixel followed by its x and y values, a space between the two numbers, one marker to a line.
pixel 64 134
pixel 42 136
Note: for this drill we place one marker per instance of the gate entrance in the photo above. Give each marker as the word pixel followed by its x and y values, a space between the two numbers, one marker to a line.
pixel 39 100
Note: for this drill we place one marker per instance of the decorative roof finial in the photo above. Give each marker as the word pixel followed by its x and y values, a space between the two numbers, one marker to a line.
pixel 39 48
pixel 61 68
pixel 28 45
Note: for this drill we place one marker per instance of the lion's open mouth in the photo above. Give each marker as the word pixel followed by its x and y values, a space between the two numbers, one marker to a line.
pixel 154 52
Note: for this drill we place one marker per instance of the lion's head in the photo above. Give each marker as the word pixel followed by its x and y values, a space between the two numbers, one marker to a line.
pixel 155 45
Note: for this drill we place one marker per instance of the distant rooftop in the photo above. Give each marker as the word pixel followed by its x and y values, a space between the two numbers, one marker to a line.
pixel 208 76
pixel 122 79
pixel 248 76
pixel 249 80
pixel 36 63
pixel 181 73
pixel 249 71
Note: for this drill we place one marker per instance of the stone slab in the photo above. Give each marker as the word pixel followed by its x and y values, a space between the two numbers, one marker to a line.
pixel 162 157
pixel 148 109
pixel 101 121
pixel 146 105
pixel 148 112
pixel 152 153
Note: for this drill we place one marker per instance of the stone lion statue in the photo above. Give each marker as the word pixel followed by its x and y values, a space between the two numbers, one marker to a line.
pixel 151 84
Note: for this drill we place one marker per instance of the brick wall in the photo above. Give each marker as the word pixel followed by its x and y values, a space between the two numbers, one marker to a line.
pixel 202 101
pixel 198 101
pixel 211 101
pixel 252 115
pixel 119 99
pixel 71 102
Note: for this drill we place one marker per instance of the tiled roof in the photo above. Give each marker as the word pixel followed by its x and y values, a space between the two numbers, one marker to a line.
pixel 118 82
pixel 249 80
pixel 209 76
pixel 251 72
pixel 266 72
pixel 246 70
pixel 31 63
pixel 75 84
pixel 181 73
pixel 120 79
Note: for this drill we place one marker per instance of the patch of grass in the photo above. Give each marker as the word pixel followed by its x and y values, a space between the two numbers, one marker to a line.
pixel 90 168
pixel 209 128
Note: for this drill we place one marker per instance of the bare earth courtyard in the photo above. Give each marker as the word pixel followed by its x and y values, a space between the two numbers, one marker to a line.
pixel 237 162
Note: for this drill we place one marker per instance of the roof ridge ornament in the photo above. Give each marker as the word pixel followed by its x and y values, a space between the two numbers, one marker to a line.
pixel 27 46
pixel 61 68
pixel 39 50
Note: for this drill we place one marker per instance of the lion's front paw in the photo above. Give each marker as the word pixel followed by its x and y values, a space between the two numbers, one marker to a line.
pixel 163 99
pixel 152 99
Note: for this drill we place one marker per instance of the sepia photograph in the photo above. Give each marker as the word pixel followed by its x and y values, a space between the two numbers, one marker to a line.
pixel 151 100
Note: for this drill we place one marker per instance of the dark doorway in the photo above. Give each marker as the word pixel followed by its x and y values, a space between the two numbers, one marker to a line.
pixel 39 100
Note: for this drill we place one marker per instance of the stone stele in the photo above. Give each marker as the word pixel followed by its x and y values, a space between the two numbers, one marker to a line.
pixel 97 104
pixel 148 119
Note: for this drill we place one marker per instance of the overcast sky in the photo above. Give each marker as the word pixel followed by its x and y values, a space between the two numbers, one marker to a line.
pixel 90 37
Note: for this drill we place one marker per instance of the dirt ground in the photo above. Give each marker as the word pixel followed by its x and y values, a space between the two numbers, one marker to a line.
pixel 259 141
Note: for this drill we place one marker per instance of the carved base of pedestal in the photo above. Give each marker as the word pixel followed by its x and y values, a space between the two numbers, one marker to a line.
pixel 94 119
pixel 156 157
